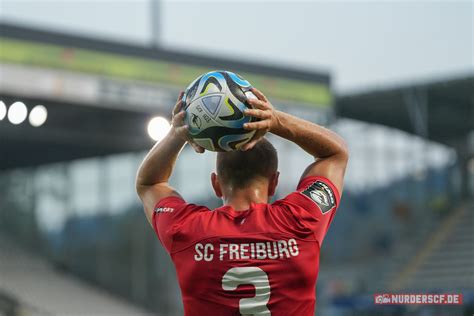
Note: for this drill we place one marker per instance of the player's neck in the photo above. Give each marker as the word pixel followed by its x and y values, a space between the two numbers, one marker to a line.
pixel 241 199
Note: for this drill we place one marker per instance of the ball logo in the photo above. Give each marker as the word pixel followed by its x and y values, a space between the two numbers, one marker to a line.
pixel 196 121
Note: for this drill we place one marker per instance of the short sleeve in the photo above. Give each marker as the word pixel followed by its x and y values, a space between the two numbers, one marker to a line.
pixel 313 204
pixel 169 213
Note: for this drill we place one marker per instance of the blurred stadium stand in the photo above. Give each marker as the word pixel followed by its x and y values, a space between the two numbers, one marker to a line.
pixel 447 257
pixel 36 288
pixel 440 110
pixel 68 187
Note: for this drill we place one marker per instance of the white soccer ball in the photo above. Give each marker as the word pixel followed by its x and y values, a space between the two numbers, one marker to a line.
pixel 214 105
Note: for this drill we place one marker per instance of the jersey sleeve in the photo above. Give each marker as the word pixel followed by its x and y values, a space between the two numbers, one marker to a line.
pixel 312 205
pixel 168 216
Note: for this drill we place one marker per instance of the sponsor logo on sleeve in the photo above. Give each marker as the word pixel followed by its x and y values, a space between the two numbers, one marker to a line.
pixel 164 210
pixel 321 194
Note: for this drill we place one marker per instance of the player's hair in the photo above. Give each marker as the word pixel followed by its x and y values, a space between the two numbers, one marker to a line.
pixel 238 168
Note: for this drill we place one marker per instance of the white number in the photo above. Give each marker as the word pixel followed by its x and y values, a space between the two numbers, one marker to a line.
pixel 256 305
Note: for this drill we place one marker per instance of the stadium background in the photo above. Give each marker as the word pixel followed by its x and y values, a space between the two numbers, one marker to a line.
pixel 73 238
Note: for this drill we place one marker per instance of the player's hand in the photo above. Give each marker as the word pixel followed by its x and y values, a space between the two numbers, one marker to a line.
pixel 180 129
pixel 264 111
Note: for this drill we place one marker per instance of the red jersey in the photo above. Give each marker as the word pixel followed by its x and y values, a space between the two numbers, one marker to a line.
pixel 261 261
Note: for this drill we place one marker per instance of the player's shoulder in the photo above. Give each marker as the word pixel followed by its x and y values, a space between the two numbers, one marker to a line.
pixel 169 203
pixel 176 208
pixel 309 210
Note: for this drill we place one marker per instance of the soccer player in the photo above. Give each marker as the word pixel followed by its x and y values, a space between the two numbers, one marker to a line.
pixel 247 257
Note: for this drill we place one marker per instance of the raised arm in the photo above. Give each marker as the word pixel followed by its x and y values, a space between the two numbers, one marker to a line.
pixel 329 149
pixel 157 167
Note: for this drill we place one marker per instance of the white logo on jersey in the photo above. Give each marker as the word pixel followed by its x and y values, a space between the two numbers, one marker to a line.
pixel 274 250
pixel 319 197
pixel 164 210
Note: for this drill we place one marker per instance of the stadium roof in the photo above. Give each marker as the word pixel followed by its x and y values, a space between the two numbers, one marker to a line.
pixel 102 124
pixel 72 131
pixel 441 110
pixel 51 37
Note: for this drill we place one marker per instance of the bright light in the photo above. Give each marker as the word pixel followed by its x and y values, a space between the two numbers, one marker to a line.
pixel 3 110
pixel 158 128
pixel 38 115
pixel 17 113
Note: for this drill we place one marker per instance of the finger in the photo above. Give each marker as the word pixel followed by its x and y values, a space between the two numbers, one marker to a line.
pixel 259 94
pixel 257 125
pixel 177 107
pixel 196 147
pixel 254 140
pixel 179 104
pixel 257 113
pixel 248 146
pixel 180 96
pixel 182 130
pixel 258 104
pixel 178 119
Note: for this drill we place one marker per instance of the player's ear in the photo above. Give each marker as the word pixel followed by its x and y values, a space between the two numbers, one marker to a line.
pixel 273 184
pixel 216 185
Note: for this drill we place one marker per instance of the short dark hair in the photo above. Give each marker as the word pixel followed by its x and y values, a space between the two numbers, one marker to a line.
pixel 238 167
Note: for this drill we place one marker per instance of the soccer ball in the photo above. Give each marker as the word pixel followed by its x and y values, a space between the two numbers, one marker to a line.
pixel 214 105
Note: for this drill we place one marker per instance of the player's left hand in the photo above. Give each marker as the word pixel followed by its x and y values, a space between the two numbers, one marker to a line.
pixel 180 129
pixel 264 111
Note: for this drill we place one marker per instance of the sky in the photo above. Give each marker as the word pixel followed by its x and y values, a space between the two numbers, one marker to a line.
pixel 363 44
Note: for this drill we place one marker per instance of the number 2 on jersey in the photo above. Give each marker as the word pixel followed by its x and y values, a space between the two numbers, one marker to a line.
pixel 256 305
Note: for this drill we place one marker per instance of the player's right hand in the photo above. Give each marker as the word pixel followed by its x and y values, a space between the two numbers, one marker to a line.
pixel 180 129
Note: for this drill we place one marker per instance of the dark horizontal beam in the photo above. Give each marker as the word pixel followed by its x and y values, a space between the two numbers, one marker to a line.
pixel 71 131
pixel 450 108
pixel 52 37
